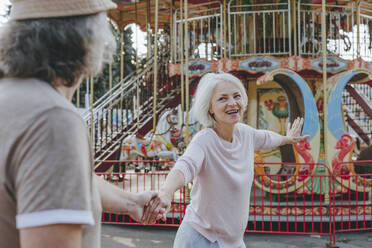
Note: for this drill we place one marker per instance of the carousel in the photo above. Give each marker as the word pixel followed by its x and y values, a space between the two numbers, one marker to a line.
pixel 308 58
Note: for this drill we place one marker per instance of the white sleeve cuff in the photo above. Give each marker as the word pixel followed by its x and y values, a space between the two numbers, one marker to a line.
pixel 55 216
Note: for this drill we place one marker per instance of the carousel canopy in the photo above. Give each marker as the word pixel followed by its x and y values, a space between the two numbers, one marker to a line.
pixel 142 11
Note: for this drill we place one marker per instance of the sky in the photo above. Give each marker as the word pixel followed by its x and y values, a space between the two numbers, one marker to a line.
pixel 3 4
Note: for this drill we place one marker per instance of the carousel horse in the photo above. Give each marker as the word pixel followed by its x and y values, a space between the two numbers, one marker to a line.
pixel 152 145
pixel 173 132
pixel 163 144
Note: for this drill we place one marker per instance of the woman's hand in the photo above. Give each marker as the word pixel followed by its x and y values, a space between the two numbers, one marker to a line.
pixel 140 203
pixel 157 208
pixel 294 132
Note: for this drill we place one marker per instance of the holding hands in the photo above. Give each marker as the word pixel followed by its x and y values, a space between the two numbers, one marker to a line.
pixel 157 208
pixel 141 204
pixel 294 132
pixel 159 205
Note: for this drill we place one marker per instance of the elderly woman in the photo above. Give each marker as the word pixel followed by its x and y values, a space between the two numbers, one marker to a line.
pixel 49 194
pixel 219 160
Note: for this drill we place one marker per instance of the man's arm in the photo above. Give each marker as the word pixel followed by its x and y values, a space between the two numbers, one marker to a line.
pixel 56 236
pixel 116 200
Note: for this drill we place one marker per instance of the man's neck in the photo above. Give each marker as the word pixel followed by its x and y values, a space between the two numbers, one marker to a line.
pixel 67 92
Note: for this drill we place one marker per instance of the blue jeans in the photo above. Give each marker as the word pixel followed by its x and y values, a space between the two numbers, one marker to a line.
pixel 188 237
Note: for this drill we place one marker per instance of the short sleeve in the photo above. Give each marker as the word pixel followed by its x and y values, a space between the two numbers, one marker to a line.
pixel 190 163
pixel 53 180
pixel 264 139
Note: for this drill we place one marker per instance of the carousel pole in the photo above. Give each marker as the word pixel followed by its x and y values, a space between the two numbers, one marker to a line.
pixel 171 31
pixel 187 74
pixel 110 88
pixel 121 55
pixel 324 52
pixel 122 74
pixel 91 108
pixel 224 28
pixel 182 65
pixel 148 27
pixel 137 84
pixel 294 21
pixel 110 71
pixel 186 67
pixel 358 28
pixel 155 64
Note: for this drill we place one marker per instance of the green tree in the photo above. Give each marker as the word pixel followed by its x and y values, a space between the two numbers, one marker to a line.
pixel 101 81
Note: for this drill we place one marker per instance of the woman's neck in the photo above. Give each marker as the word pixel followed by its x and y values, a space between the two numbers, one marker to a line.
pixel 225 132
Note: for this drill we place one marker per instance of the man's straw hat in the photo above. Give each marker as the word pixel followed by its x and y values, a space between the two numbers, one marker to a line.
pixel 34 9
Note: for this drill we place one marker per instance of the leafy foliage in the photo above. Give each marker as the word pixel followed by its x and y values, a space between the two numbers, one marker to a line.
pixel 101 82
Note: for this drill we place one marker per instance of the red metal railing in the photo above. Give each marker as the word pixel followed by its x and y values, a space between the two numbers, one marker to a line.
pixel 319 202
pixel 351 197
pixel 289 203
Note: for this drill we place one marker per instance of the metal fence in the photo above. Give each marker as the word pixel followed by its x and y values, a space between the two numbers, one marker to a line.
pixel 351 198
pixel 365 30
pixel 320 203
pixel 292 203
pixel 267 29
pixel 258 29
pixel 341 38
pixel 204 29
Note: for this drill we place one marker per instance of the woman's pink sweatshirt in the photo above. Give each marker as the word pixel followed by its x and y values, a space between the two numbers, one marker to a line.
pixel 222 175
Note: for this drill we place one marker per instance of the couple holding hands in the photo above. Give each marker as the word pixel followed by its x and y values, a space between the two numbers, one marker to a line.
pixel 50 196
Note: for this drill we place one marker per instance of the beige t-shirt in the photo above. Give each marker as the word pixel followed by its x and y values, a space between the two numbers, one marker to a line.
pixel 46 174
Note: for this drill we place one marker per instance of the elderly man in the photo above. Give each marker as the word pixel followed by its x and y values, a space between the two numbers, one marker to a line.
pixel 49 194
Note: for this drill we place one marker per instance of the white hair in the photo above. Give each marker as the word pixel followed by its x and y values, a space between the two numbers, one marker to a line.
pixel 204 95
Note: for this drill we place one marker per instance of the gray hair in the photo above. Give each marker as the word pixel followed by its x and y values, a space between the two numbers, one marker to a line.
pixel 56 48
pixel 204 95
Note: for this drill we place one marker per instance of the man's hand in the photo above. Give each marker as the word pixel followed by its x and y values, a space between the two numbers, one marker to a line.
pixel 294 132
pixel 141 202
pixel 157 208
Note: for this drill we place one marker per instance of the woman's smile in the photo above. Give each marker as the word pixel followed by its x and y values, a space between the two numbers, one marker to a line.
pixel 226 104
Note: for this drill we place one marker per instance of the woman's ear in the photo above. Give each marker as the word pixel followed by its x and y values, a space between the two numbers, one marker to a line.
pixel 210 111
